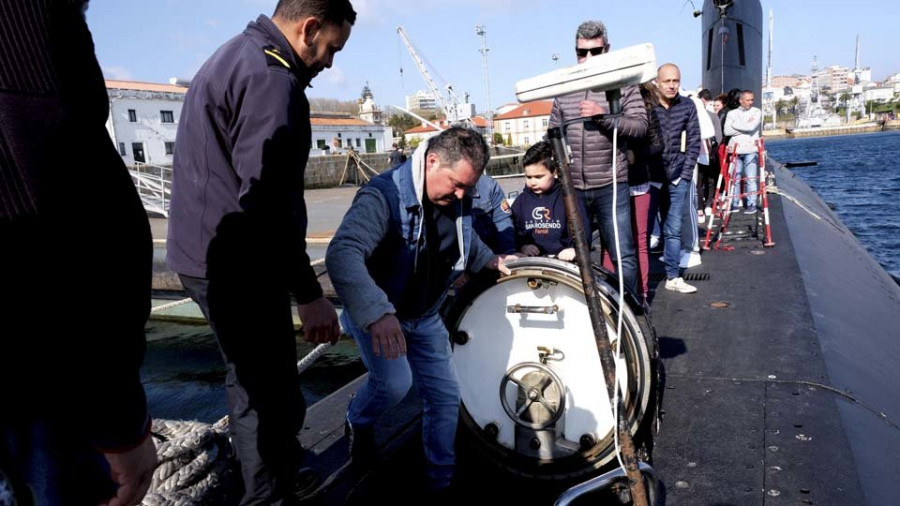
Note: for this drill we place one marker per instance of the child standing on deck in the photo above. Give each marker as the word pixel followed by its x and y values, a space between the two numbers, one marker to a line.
pixel 539 213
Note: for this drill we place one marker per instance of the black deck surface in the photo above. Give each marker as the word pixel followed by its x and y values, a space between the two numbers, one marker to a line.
pixel 751 414
pixel 745 420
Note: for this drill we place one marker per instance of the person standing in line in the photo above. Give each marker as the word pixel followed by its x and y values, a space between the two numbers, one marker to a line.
pixel 681 138
pixel 237 228
pixel 74 425
pixel 645 179
pixel 708 172
pixel 592 153
pixel 743 126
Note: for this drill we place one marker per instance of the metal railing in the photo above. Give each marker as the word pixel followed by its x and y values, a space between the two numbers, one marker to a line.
pixel 154 186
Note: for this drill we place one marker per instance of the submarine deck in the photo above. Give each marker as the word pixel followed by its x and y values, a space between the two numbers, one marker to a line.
pixel 787 395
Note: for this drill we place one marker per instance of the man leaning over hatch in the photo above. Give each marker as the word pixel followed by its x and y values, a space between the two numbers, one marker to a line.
pixel 405 238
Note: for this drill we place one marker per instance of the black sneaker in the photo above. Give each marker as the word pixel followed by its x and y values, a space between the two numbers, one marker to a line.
pixel 361 442
pixel 306 483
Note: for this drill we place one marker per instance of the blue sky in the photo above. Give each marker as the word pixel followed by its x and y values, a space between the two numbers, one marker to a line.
pixel 153 40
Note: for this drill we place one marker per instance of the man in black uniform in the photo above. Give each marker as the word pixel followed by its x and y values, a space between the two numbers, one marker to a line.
pixel 237 229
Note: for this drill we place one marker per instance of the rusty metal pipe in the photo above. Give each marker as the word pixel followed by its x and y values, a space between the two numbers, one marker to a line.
pixel 557 139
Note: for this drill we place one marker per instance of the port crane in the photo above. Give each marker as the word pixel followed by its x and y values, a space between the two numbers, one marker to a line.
pixel 451 105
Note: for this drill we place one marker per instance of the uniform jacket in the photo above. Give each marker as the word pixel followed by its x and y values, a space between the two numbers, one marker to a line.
pixel 240 154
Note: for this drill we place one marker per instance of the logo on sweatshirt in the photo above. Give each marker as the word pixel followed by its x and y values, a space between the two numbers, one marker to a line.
pixel 540 213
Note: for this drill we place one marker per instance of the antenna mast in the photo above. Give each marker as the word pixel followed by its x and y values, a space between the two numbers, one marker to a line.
pixel 814 91
pixel 481 31
pixel 771 35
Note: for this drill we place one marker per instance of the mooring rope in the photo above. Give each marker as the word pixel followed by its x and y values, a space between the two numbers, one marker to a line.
pixel 170 305
pixel 195 461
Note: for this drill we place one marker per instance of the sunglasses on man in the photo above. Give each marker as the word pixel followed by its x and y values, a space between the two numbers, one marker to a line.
pixel 595 51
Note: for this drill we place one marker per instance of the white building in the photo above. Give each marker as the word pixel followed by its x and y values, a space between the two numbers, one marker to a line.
pixel 525 124
pixel 885 94
pixel 368 109
pixel 421 101
pixel 143 119
pixel 334 133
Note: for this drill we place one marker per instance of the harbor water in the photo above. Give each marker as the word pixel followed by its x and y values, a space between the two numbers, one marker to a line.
pixel 184 374
pixel 858 176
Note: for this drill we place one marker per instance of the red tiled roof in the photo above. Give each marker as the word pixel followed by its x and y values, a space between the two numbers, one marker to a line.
pixel 141 86
pixel 421 129
pixel 479 122
pixel 528 110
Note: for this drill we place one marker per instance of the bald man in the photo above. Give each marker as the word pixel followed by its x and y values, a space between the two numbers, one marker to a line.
pixel 681 135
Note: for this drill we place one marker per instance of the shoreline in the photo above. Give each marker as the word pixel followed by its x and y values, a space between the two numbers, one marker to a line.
pixel 831 131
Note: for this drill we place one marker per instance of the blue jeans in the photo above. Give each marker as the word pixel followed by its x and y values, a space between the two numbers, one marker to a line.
pixel 428 360
pixel 747 167
pixel 672 207
pixel 598 204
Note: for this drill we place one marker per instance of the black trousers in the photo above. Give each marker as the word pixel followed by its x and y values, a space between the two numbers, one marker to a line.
pixel 707 176
pixel 253 325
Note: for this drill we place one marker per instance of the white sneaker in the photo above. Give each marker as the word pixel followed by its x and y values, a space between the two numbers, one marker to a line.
pixel 654 241
pixel 689 259
pixel 678 285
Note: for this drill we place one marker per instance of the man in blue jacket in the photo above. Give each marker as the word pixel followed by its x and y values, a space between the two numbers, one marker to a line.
pixel 681 137
pixel 237 229
pixel 405 238
pixel 492 216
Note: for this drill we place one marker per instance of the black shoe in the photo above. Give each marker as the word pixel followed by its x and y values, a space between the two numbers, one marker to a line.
pixel 361 441
pixel 306 483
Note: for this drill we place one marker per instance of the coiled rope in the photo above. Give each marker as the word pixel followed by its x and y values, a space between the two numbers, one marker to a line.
pixel 195 459
pixel 195 463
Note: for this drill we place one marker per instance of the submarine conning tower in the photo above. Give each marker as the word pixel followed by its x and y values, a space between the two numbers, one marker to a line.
pixel 732 46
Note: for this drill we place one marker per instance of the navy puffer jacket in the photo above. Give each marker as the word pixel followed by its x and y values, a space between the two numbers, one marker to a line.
pixel 680 119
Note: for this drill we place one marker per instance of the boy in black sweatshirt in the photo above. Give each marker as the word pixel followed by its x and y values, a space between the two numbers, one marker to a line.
pixel 539 213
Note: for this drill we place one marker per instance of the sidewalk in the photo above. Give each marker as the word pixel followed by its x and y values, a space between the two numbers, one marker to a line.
pixel 325 208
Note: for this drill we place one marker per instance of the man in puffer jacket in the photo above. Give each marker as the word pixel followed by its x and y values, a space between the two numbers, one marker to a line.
pixel 681 140
pixel 592 149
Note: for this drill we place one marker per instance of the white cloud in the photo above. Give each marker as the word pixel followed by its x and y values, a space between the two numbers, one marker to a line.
pixel 117 72
pixel 335 76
